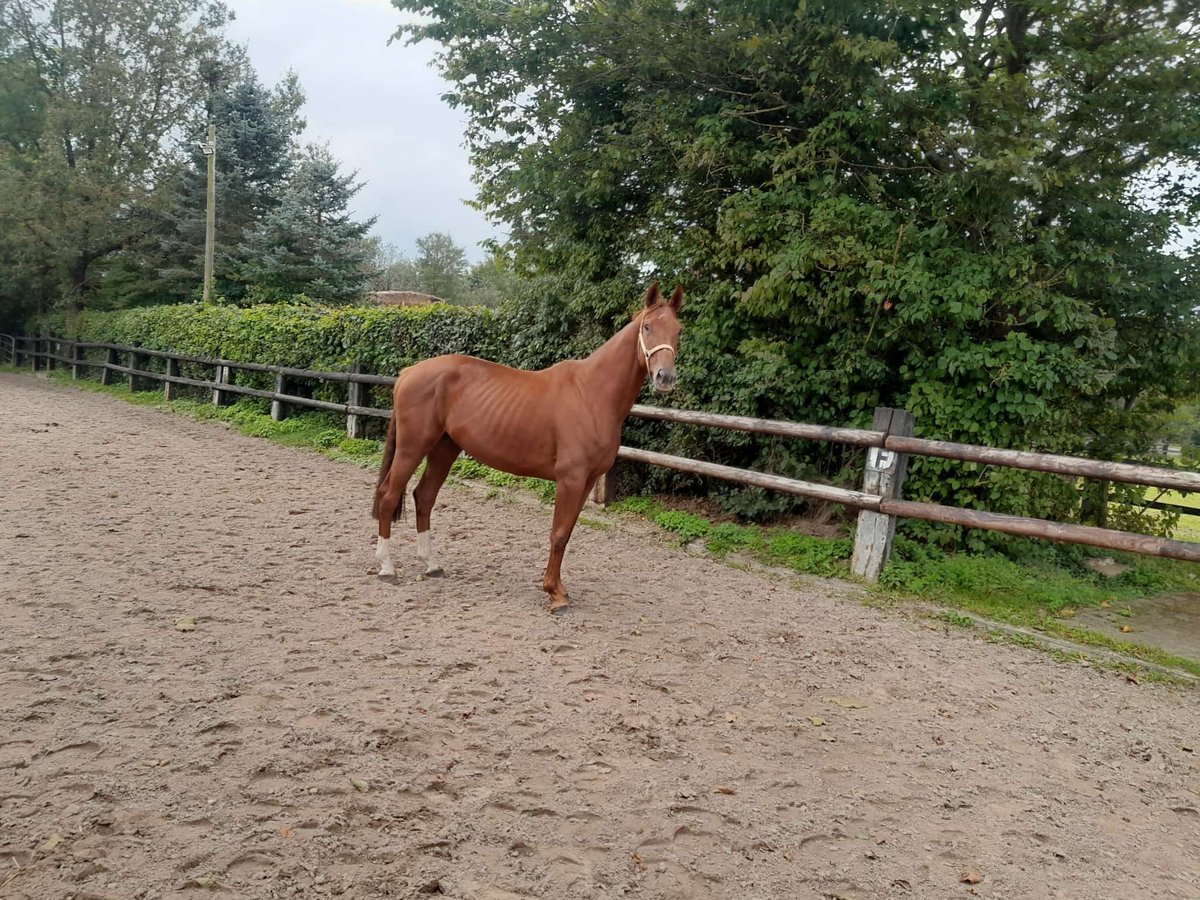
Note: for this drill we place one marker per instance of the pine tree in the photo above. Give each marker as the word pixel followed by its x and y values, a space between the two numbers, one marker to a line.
pixel 309 244
pixel 256 131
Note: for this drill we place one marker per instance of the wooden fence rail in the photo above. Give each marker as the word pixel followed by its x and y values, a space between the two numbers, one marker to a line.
pixel 889 444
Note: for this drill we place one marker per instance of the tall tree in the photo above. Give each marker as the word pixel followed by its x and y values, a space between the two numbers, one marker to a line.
pixel 113 80
pixel 309 244
pixel 257 130
pixel 441 266
pixel 933 204
pixel 393 271
pixel 491 282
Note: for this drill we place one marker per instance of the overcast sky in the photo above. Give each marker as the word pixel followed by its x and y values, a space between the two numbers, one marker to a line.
pixel 379 107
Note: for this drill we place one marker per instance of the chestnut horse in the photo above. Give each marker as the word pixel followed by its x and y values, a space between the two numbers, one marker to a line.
pixel 562 424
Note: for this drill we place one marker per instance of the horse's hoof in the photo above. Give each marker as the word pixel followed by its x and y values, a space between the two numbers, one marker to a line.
pixel 389 578
pixel 559 604
pixel 436 572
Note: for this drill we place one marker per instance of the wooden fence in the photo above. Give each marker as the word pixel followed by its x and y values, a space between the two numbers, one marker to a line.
pixel 889 443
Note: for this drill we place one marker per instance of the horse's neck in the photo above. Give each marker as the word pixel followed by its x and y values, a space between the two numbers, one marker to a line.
pixel 615 371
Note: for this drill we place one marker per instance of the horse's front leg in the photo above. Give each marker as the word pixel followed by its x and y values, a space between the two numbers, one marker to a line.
pixel 569 494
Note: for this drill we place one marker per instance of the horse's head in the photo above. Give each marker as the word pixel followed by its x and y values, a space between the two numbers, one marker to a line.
pixel 658 336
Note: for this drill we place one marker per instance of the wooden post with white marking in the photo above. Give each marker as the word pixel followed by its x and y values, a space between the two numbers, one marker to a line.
pixel 884 477
pixel 170 388
pixel 224 376
pixel 279 409
pixel 136 361
pixel 356 425
pixel 605 491
pixel 77 365
pixel 110 360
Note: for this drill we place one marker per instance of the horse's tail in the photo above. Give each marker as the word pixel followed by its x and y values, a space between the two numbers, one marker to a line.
pixel 389 452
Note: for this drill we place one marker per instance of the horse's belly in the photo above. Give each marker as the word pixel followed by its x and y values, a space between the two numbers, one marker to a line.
pixel 507 446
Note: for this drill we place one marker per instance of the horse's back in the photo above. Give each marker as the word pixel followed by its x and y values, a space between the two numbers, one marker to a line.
pixel 457 368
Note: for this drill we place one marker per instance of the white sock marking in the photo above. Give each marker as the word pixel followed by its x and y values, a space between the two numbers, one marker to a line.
pixel 383 553
pixel 425 551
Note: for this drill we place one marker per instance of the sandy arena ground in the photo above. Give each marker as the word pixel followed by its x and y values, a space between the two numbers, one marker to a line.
pixel 688 730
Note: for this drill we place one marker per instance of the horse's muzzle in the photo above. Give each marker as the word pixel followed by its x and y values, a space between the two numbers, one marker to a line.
pixel 664 380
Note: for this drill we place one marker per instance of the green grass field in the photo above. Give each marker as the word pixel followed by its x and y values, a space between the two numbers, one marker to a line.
pixel 1189 526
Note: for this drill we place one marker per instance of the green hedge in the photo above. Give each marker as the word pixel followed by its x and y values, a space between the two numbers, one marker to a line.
pixel 311 337
pixel 331 339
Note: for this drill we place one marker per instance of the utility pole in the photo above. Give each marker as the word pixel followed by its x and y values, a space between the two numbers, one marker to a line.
pixel 210 222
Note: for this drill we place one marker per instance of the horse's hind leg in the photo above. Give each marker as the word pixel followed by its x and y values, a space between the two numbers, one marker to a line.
pixel 437 467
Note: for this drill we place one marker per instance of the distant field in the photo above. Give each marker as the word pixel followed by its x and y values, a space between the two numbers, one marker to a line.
pixel 1188 528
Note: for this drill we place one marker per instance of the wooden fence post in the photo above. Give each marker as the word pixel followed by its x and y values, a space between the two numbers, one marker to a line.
pixel 34 362
pixel 356 425
pixel 278 407
pixel 110 359
pixel 170 388
pixel 136 361
pixel 224 376
pixel 77 354
pixel 884 477
pixel 605 491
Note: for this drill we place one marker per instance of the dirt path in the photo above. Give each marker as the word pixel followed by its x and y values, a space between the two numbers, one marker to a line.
pixel 320 733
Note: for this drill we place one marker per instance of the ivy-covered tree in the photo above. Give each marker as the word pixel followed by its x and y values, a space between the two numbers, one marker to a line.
pixel 957 208
pixel 309 244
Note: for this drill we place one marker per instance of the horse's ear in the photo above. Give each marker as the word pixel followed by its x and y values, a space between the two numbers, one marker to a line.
pixel 652 295
pixel 677 298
